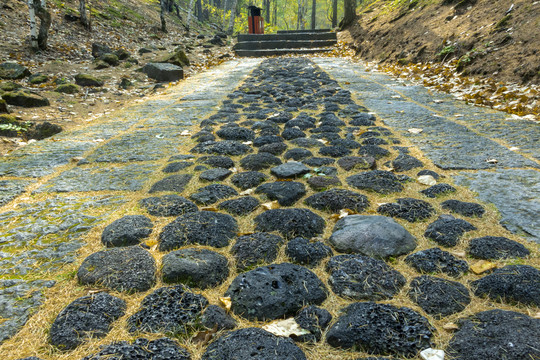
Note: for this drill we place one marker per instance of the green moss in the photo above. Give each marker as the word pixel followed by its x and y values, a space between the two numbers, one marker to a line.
pixel 503 22
pixel 67 88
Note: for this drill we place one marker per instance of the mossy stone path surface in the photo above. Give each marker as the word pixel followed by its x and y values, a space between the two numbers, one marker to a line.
pixel 186 225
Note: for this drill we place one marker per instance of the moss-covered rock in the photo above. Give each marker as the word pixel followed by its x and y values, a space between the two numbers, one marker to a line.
pixel 67 89
pixel 110 59
pixel 177 58
pixel 122 54
pixel 13 71
pixel 9 86
pixel 87 80
pixel 10 126
pixel 3 107
pixel 100 64
pixel 25 99
pixel 38 79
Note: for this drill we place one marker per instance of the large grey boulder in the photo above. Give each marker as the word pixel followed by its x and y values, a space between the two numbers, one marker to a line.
pixel 163 72
pixel 375 236
pixel 12 71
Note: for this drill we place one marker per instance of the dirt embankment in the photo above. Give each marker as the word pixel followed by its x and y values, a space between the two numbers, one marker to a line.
pixel 495 39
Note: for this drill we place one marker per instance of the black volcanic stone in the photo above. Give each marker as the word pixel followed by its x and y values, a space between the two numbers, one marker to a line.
pixel 87 317
pixel 215 316
pixel 447 230
pixel 217 174
pixel 274 148
pixel 235 133
pixel 381 329
pixel 194 267
pixel 142 349
pixel 408 209
pixel 285 192
pixel 360 277
pixel 127 231
pixel 225 147
pixel 494 248
pixel 252 344
pixel 241 206
pixel 405 162
pixel 315 320
pixel 496 334
pixel 302 251
pixel 307 143
pixel 267 139
pixel 363 119
pixel 289 170
pixel 334 151
pixel 255 249
pixel 176 166
pixel 275 291
pixel 464 208
pixel 374 151
pixel 302 124
pixel 374 141
pixel 430 173
pixel 438 189
pixel 439 297
pixel 297 154
pixel 168 205
pixel 249 179
pixel 290 223
pixel 510 284
pixel 202 227
pixel 349 163
pixel 174 309
pixel 176 183
pixel 259 161
pixel 334 200
pixel 212 193
pixel 292 133
pixel 383 182
pixel 127 269
pixel 318 161
pixel 320 183
pixel 435 260
pixel 217 161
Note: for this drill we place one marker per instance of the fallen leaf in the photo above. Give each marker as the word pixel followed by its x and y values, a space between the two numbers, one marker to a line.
pixel 285 328
pixel 415 130
pixel 514 148
pixel 492 161
pixel 270 205
pixel 76 158
pixel 209 208
pixel 345 212
pixel 226 302
pixel 460 254
pixel 247 192
pixel 450 326
pixel 150 242
pixel 248 143
pixel 204 337
pixel 482 266
pixel 185 133
pixel 426 180
pixel 432 354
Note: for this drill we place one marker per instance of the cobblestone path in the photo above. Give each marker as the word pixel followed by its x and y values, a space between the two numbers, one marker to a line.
pixel 263 190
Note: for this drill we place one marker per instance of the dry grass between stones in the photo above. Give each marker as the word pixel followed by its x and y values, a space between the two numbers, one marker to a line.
pixel 32 340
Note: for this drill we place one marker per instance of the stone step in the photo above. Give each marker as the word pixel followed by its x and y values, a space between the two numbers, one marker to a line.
pixel 277 52
pixel 303 31
pixel 284 44
pixel 288 36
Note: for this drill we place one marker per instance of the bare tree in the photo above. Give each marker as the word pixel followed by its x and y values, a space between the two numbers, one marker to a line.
pixel 38 39
pixel 190 13
pixel 349 13
pixel 230 30
pixel 313 13
pixel 85 17
pixel 199 10
pixel 334 13
pixel 267 10
pixel 163 7
pixel 33 26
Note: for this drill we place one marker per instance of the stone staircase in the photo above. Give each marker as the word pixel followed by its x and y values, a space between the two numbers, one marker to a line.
pixel 286 42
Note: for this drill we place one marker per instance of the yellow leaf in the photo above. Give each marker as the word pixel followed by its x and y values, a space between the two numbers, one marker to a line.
pixel 226 302
pixel 482 266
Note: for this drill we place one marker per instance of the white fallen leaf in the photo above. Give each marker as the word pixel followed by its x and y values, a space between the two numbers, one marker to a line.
pixel 226 301
pixel 185 133
pixel 432 354
pixel 437 101
pixel 427 180
pixel 76 158
pixel 514 148
pixel 415 130
pixel 285 328
pixel 248 143
pixel 31 141
pixel 247 192
pixel 98 140
pixel 492 161
pixel 396 97
pixel 160 136
pixel 323 141
pixel 270 205
pixel 458 115
pixel 234 170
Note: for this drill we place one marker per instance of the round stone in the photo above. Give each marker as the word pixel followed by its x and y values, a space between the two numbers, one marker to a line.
pixel 375 236
pixel 202 227
pixel 438 189
pixel 405 162
pixel 447 230
pixel 267 139
pixel 240 206
pixel 334 151
pixel 217 174
pixel 225 147
pixel 439 297
pixel 255 249
pixel 285 192
pixel 200 268
pixel 212 193
pixel 235 133
pixel 275 291
pixel 260 161
pixel 496 247
pixel 374 151
pixel 463 208
pixel 217 161
pixel 127 231
pixel 142 349
pixel 408 209
pixel 289 170
pixel 496 334
pixel 315 320
pixel 303 252
pixel 510 284
pixel 290 223
pixel 175 183
pixel 252 344
pixel 127 269
pixel 274 148
pixel 363 278
pixel 87 317
pixel 383 182
pixel 318 161
pixel 297 154
pixel 436 260
pixel 292 133
pixel 349 163
pixel 216 317
pixel 176 166
pixel 335 200
pixel 381 329
pixel 249 179
pixel 168 205
pixel 320 183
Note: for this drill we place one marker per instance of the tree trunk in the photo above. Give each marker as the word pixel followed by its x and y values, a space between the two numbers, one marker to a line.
pixel 33 26
pixel 163 7
pixel 45 23
pixel 85 18
pixel 230 30
pixel 349 15
pixel 313 13
pixel 275 13
pixel 334 13
pixel 199 12
pixel 267 11
pixel 190 12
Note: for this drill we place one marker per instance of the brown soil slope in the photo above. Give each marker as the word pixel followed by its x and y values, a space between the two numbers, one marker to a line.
pixel 497 39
